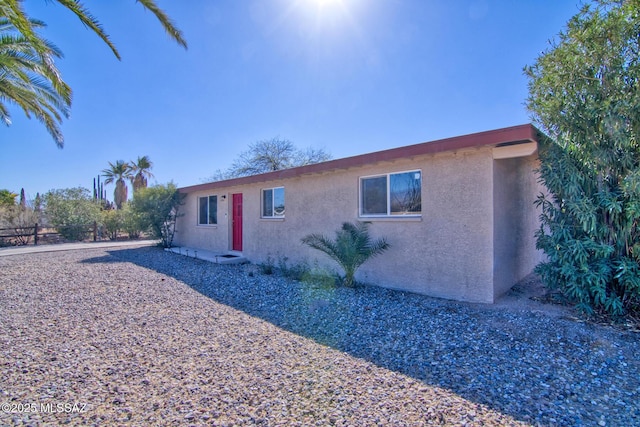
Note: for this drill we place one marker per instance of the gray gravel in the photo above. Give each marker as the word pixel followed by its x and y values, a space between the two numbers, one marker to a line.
pixel 144 337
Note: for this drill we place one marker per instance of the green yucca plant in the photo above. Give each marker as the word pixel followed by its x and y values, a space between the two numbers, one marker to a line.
pixel 351 247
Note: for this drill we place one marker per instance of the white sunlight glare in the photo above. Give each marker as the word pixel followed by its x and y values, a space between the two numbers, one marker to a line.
pixel 325 3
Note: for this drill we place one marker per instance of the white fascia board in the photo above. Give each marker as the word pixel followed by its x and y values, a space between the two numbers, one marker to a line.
pixel 516 150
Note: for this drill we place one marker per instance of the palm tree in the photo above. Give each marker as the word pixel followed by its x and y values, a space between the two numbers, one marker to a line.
pixel 141 168
pixel 118 173
pixel 350 249
pixel 13 11
pixel 28 75
pixel 29 78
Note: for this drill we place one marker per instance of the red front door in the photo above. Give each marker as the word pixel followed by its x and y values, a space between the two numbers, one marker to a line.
pixel 236 229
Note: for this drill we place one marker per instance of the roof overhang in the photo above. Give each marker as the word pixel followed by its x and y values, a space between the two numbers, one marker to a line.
pixel 518 149
pixel 522 136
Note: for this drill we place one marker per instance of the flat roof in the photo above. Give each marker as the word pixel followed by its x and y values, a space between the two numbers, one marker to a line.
pixel 504 136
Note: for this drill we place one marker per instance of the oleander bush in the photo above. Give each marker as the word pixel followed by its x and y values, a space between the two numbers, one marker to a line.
pixel 583 93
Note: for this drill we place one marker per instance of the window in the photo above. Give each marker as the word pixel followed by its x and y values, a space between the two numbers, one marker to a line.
pixel 208 210
pixel 392 194
pixel 273 203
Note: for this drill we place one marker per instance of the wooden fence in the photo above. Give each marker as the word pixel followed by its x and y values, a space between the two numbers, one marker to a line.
pixel 18 236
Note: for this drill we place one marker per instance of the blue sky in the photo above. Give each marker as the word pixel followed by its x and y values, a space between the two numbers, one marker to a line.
pixel 347 76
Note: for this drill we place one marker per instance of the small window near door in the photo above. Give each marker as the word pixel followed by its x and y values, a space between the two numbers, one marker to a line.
pixel 208 210
pixel 273 202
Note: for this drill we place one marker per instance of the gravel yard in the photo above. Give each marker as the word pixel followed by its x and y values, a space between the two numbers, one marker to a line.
pixel 144 337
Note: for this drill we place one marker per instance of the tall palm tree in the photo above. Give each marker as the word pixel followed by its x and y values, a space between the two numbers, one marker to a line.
pixel 117 173
pixel 140 170
pixel 28 75
pixel 30 80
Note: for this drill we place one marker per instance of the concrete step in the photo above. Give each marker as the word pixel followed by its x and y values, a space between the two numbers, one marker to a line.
pixel 217 258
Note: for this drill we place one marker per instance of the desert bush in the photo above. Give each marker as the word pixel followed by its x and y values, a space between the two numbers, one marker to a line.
pixel 113 221
pixel 18 222
pixel 133 222
pixel 158 208
pixel 72 211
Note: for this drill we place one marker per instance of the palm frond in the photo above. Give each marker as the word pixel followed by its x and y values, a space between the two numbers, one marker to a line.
pixel 351 247
pixel 5 117
pixel 324 244
pixel 87 19
pixel 28 75
pixel 166 22
pixel 140 171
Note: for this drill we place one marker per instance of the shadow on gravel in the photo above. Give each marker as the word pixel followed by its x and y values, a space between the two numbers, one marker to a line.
pixel 533 367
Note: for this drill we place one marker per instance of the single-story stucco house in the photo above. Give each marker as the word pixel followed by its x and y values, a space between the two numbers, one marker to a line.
pixel 459 213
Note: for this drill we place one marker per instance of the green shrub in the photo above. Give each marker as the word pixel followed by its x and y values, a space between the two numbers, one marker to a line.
pixel 158 207
pixel 72 211
pixel 583 94
pixel 133 222
pixel 112 220
pixel 7 198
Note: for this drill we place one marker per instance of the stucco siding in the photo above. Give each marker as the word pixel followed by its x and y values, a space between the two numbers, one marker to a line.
pixel 189 233
pixel 473 239
pixel 515 221
pixel 447 252
pixel 529 256
pixel 507 217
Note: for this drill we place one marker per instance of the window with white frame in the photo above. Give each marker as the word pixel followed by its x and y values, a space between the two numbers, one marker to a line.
pixel 208 210
pixel 392 194
pixel 273 202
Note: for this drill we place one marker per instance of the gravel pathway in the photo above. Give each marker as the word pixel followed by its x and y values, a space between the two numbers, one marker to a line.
pixel 143 337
